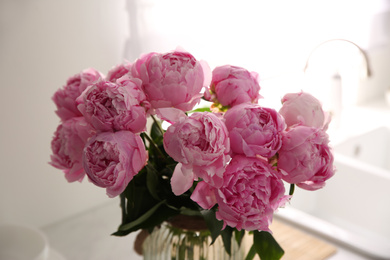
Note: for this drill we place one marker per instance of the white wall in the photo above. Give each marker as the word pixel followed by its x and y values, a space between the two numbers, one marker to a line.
pixel 43 42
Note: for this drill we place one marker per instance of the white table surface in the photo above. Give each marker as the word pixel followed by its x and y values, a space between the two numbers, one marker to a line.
pixel 87 236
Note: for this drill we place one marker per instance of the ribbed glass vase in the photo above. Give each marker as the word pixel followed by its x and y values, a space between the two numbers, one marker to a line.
pixel 175 242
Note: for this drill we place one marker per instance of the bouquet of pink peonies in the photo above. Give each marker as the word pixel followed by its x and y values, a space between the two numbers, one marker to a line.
pixel 226 162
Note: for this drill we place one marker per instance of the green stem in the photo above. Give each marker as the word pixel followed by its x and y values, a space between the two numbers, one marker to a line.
pixel 158 124
pixel 154 144
pixel 292 188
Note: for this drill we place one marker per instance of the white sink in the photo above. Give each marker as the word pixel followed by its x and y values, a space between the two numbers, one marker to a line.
pixel 372 147
pixel 353 209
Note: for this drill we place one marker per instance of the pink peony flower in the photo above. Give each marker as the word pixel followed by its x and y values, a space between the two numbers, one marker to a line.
pixel 65 98
pixel 67 147
pixel 303 109
pixel 200 145
pixel 204 195
pixel 250 194
pixel 112 159
pixel 254 130
pixel 114 106
pixel 231 86
pixel 173 79
pixel 118 71
pixel 305 157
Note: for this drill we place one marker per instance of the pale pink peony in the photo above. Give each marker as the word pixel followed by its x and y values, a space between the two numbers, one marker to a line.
pixel 200 145
pixel 112 159
pixel 114 106
pixel 250 194
pixel 204 195
pixel 65 98
pixel 231 86
pixel 305 157
pixel 118 71
pixel 303 109
pixel 254 130
pixel 173 79
pixel 67 147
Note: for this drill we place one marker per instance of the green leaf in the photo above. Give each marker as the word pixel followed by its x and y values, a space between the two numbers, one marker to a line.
pixel 162 213
pixel 139 199
pixel 123 206
pixel 214 225
pixel 142 218
pixel 239 235
pixel 189 212
pixel 152 181
pixel 227 238
pixel 266 246
pixel 156 132
pixel 292 188
pixel 251 254
pixel 201 109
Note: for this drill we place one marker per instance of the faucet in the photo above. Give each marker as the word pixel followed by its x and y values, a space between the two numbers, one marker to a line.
pixel 362 52
pixel 335 80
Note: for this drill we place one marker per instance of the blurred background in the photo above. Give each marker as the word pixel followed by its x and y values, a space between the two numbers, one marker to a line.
pixel 43 42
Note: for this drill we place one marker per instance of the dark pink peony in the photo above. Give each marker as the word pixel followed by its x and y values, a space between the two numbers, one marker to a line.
pixel 173 79
pixel 200 145
pixel 118 71
pixel 67 147
pixel 65 98
pixel 112 159
pixel 115 106
pixel 305 157
pixel 303 109
pixel 231 86
pixel 250 194
pixel 254 130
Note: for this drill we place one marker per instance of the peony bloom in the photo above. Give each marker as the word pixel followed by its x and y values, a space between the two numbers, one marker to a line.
pixel 65 98
pixel 173 79
pixel 250 194
pixel 114 106
pixel 200 145
pixel 254 130
pixel 118 71
pixel 112 159
pixel 67 147
pixel 231 86
pixel 305 157
pixel 303 109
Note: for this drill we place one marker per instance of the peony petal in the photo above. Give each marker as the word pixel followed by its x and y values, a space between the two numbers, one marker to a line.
pixel 170 114
pixel 181 180
pixel 204 195
pixel 206 72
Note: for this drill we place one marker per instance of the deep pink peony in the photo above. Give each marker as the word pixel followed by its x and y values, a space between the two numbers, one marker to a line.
pixel 250 194
pixel 254 130
pixel 173 79
pixel 118 71
pixel 305 157
pixel 303 109
pixel 200 145
pixel 65 98
pixel 114 106
pixel 67 147
pixel 112 159
pixel 231 86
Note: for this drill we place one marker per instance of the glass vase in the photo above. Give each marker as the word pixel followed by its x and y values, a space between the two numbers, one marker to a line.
pixel 176 242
